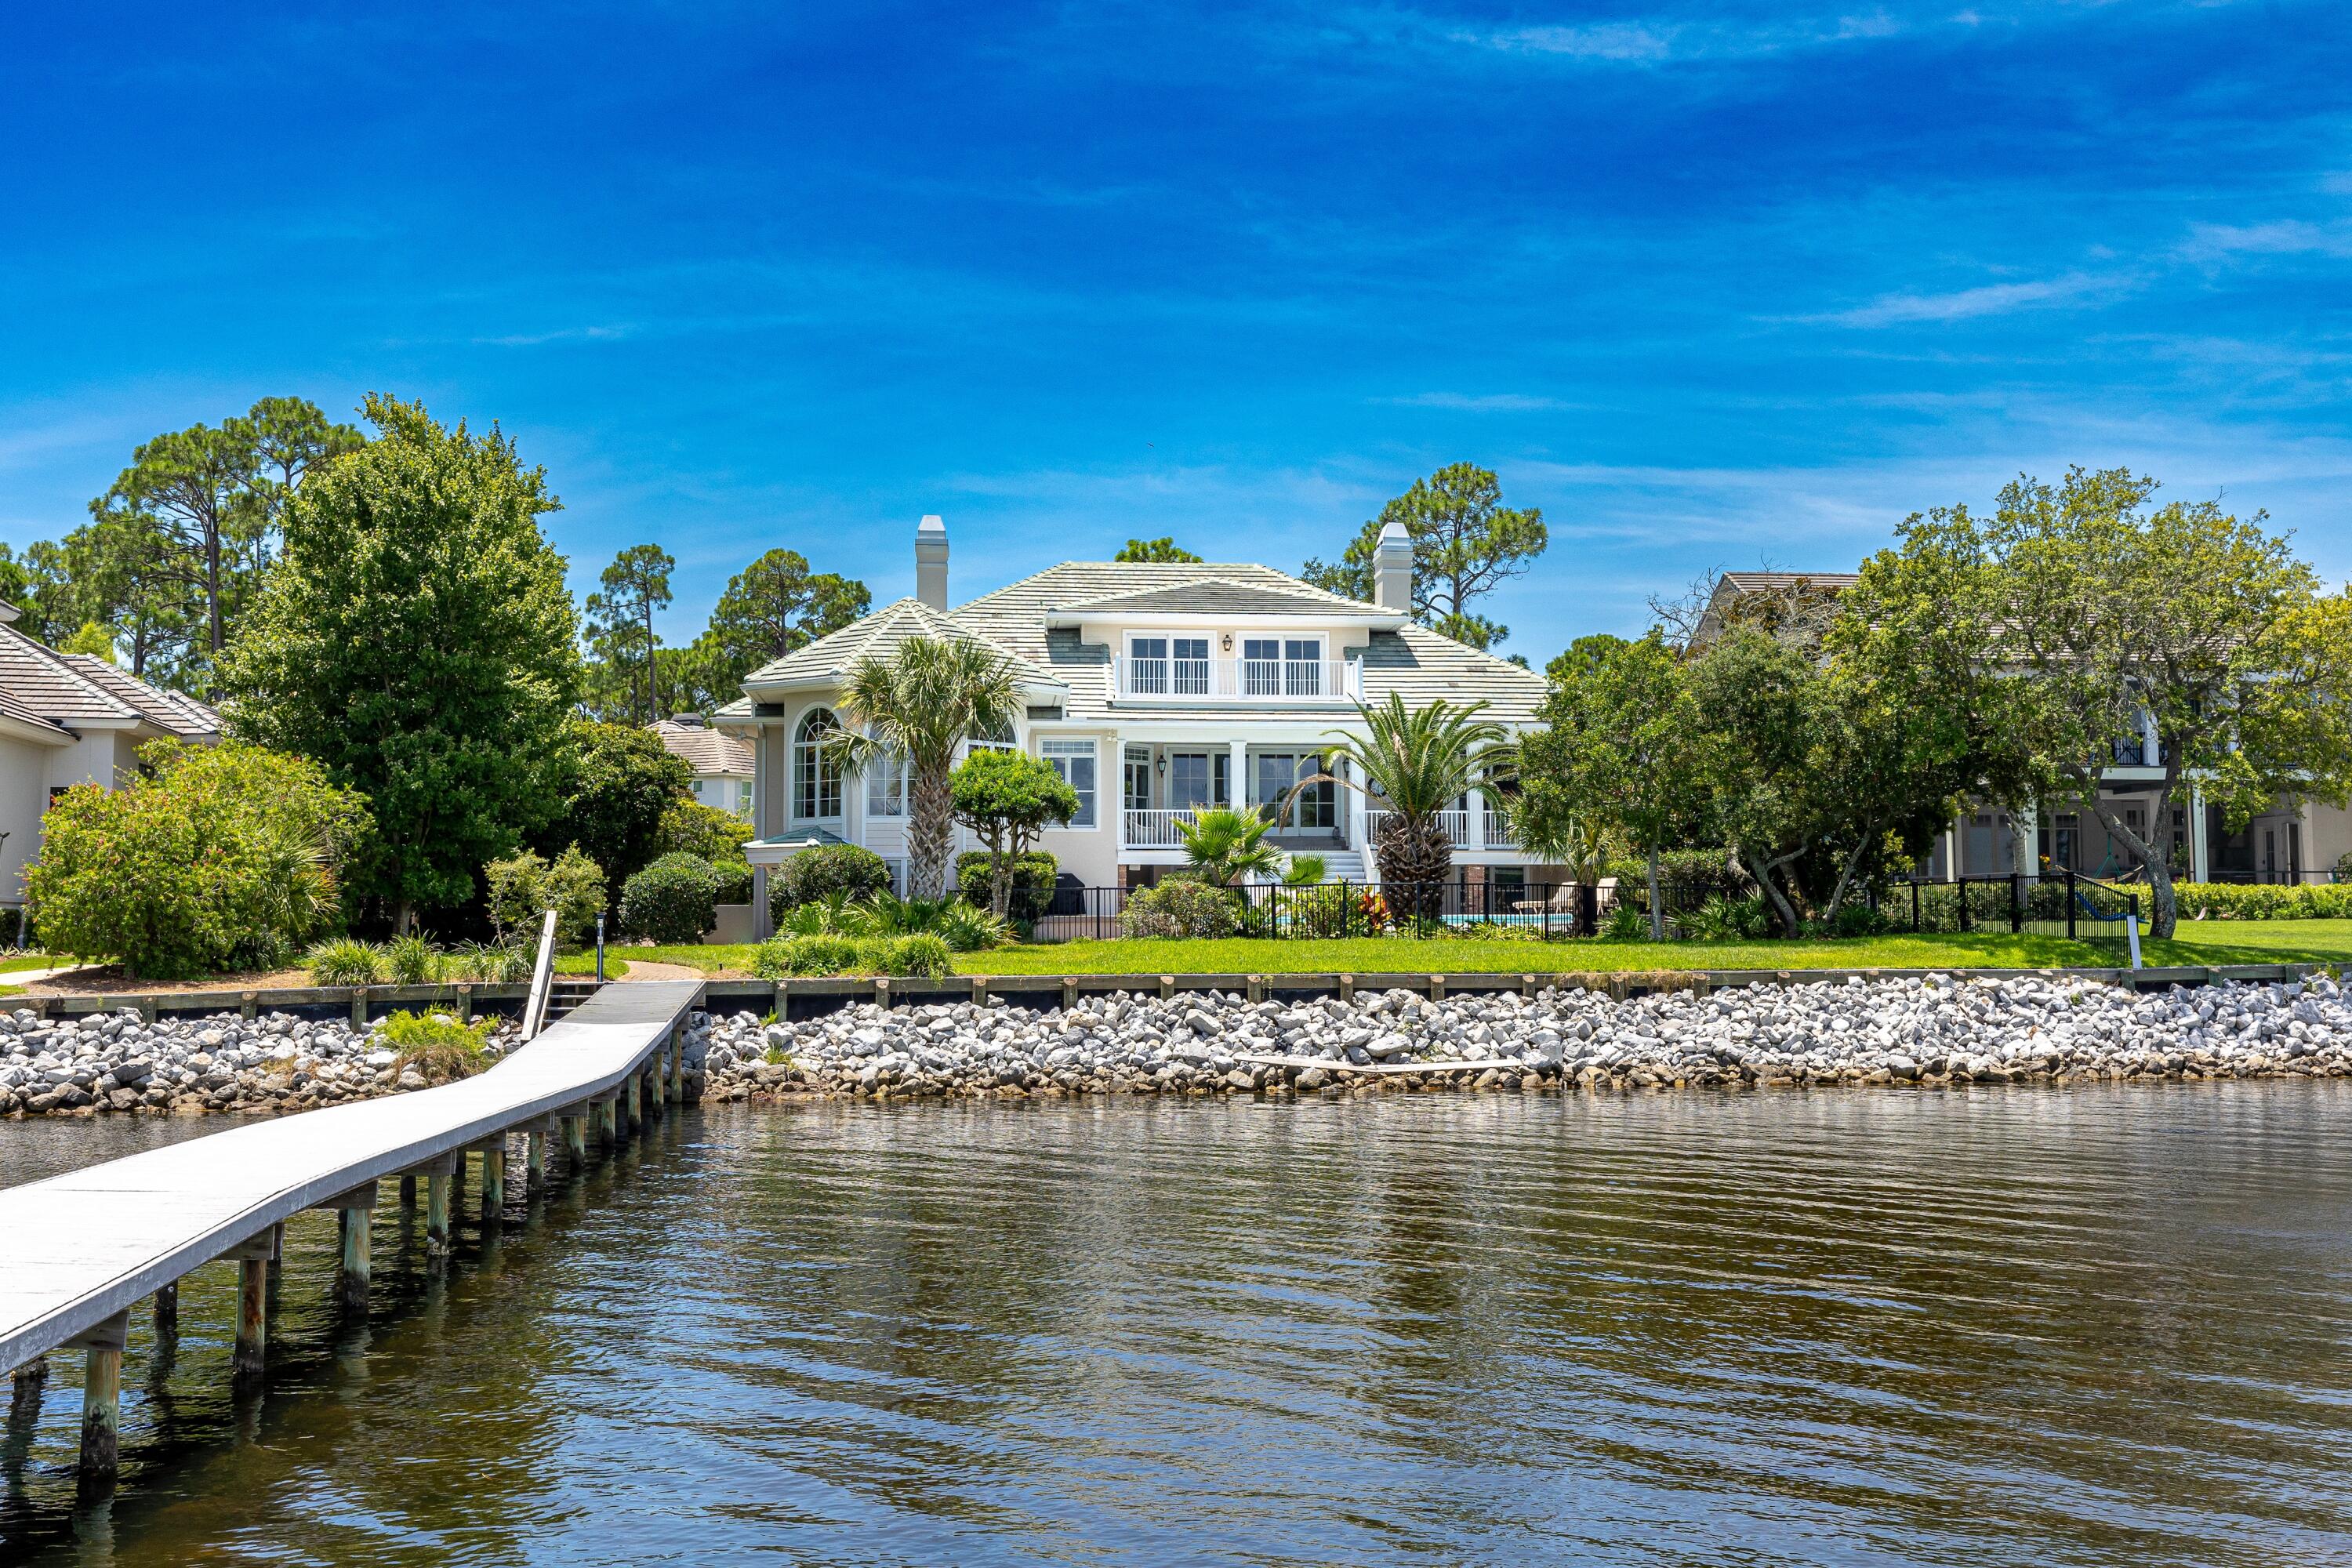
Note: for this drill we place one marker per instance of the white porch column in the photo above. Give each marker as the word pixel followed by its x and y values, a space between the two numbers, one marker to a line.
pixel 1475 801
pixel 1240 766
pixel 2196 847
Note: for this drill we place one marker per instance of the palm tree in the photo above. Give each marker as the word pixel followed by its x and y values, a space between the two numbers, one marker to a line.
pixel 1416 762
pixel 1222 846
pixel 928 698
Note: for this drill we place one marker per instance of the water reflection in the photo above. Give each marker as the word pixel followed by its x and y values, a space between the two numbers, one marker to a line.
pixel 2094 1326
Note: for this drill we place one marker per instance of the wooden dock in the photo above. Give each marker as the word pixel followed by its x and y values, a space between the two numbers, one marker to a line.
pixel 78 1251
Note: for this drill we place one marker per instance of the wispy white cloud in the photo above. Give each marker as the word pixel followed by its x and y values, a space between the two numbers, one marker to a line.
pixel 2222 242
pixel 559 335
pixel 1469 403
pixel 1985 300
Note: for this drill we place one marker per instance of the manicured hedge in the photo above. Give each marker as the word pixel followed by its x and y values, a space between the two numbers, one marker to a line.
pixel 675 899
pixel 2266 901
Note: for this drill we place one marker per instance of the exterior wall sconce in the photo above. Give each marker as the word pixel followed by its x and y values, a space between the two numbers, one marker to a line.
pixel 1225 643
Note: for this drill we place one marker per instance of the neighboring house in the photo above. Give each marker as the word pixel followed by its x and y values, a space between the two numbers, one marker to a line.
pixel 1155 689
pixel 722 763
pixel 69 718
pixel 2286 844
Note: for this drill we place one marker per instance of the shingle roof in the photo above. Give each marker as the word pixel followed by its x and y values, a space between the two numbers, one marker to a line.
pixel 1426 667
pixel 46 684
pixel 709 753
pixel 1766 581
pixel 832 655
pixel 1213 596
pixel 172 711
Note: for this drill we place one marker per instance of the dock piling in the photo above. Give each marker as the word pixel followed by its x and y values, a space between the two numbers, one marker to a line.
pixel 494 1180
pixel 437 1209
pixel 575 1141
pixel 535 1161
pixel 101 1399
pixel 167 1314
pixel 25 1385
pixel 254 1258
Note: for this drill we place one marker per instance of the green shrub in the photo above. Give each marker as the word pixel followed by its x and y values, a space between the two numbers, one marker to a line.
pixel 2260 900
pixel 522 887
pixel 213 857
pixel 488 963
pixel 734 884
pixel 815 874
pixel 1720 919
pixel 411 961
pixel 440 1049
pixel 1179 909
pixel 804 956
pixel 1857 918
pixel 675 899
pixel 823 917
pixel 1626 923
pixel 1034 874
pixel 690 828
pixel 923 955
pixel 346 961
pixel 968 930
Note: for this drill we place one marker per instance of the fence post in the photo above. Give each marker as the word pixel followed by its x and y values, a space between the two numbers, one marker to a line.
pixel 2016 903
pixel 1915 906
pixel 2070 903
pixel 1960 887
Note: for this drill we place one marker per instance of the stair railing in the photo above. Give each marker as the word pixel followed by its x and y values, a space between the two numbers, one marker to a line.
pixel 542 983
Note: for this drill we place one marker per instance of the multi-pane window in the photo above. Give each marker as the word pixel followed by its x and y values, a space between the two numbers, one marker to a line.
pixel 1317 807
pixel 1147 660
pixel 817 772
pixel 885 787
pixel 1074 760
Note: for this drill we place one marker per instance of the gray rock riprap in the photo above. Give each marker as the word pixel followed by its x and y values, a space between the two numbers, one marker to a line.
pixel 117 1061
pixel 1937 1031
pixel 1941 1030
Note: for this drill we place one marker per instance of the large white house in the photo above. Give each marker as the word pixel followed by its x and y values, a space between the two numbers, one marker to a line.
pixel 69 718
pixel 1154 689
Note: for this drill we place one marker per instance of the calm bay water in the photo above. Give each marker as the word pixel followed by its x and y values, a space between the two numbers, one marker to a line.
pixel 2086 1326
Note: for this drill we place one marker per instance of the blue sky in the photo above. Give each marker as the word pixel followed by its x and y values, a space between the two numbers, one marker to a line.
pixel 1712 284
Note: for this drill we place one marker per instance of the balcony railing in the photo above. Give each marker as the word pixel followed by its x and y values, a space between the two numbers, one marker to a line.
pixel 1237 679
pixel 1156 830
pixel 1498 833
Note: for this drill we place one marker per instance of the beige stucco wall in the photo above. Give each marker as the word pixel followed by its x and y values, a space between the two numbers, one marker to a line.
pixel 24 796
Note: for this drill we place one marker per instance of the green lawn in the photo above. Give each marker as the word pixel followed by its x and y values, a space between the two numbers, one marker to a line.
pixel 2230 942
pixel 16 960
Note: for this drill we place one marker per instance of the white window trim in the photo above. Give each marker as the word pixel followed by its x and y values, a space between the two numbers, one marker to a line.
pixel 1071 746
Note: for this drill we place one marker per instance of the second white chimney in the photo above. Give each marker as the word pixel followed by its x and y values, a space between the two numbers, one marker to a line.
pixel 931 562
pixel 1393 570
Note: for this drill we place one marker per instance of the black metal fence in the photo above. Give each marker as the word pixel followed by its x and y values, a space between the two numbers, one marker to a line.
pixel 2063 904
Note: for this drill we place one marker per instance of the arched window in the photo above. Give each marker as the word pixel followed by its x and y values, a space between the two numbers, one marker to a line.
pixel 816 773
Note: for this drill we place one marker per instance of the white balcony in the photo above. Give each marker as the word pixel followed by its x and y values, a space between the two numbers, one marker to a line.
pixel 1498 833
pixel 1157 829
pixel 1302 681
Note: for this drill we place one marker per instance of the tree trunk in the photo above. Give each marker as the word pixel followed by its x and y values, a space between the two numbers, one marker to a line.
pixel 1781 908
pixel 1846 877
pixel 1415 858
pixel 930 816
pixel 1000 881
pixel 212 589
pixel 2164 905
pixel 1657 915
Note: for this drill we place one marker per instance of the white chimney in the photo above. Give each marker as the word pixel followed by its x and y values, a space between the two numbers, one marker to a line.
pixel 1393 570
pixel 931 562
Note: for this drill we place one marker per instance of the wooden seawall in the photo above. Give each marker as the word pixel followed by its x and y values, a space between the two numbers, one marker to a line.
pixel 79 1251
